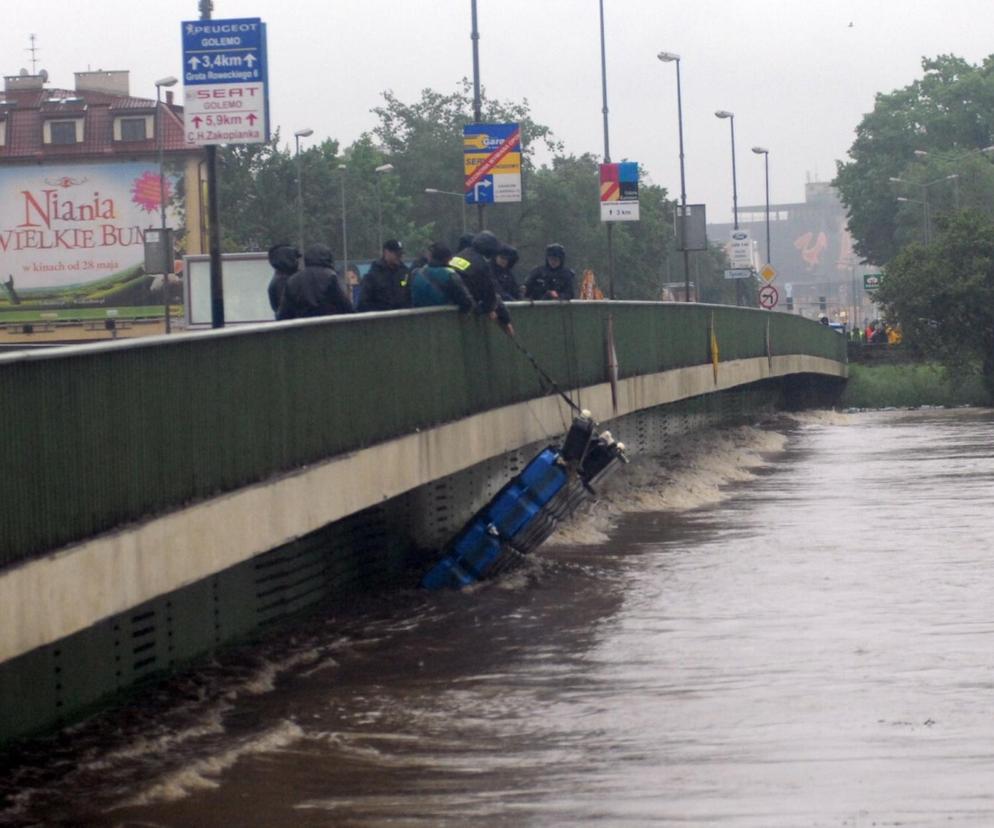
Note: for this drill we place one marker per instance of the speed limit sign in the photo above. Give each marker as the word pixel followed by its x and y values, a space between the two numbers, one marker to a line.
pixel 768 297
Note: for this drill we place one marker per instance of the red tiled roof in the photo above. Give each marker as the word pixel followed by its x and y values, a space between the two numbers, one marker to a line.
pixel 32 106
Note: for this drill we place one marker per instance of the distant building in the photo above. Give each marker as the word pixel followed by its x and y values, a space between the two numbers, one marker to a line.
pixel 79 184
pixel 812 252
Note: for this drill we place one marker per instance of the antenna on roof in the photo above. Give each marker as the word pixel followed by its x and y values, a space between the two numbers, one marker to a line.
pixel 43 74
pixel 34 53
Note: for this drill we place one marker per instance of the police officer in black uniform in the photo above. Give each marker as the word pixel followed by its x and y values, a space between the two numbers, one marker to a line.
pixel 553 280
pixel 473 265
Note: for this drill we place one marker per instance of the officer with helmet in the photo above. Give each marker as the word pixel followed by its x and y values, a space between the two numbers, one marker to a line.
pixel 473 264
pixel 552 280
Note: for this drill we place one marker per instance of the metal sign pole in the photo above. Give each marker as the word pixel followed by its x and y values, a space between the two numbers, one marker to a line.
pixel 477 104
pixel 213 216
pixel 607 156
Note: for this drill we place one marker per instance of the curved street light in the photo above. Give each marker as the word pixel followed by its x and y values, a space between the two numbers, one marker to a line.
pixel 160 141
pixel 766 163
pixel 381 170
pixel 724 114
pixel 300 133
pixel 671 57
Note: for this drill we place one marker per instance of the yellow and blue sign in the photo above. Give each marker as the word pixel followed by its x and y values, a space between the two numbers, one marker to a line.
pixel 492 163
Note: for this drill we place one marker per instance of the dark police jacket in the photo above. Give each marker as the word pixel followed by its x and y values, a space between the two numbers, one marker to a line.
pixel 543 279
pixel 384 288
pixel 315 290
pixel 474 268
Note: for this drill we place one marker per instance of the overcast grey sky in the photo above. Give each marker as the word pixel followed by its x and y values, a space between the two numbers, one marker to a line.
pixel 796 74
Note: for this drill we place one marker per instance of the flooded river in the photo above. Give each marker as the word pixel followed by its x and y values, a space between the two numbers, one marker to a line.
pixel 791 626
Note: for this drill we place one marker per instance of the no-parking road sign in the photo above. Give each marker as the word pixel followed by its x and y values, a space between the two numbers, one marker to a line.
pixel 768 297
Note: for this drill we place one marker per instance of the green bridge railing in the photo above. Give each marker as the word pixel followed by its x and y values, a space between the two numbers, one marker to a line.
pixel 96 436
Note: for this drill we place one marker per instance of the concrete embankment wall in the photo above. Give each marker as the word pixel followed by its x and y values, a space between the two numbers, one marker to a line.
pixel 163 497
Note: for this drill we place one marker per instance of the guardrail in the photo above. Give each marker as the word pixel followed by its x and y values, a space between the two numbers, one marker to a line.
pixel 96 436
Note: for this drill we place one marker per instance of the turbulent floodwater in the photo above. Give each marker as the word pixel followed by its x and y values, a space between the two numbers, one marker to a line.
pixel 792 626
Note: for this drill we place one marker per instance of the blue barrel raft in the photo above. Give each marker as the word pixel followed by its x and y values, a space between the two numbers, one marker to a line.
pixel 527 510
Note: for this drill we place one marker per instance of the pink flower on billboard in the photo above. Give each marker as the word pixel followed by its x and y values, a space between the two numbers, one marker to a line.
pixel 145 191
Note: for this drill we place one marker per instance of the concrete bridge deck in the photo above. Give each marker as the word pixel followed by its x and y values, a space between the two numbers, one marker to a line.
pixel 135 469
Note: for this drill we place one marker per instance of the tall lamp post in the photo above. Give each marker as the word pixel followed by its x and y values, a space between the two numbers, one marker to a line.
pixel 300 133
pixel 460 196
pixel 730 116
pixel 766 163
pixel 607 155
pixel 924 205
pixel 926 216
pixel 345 227
pixel 381 170
pixel 166 268
pixel 669 57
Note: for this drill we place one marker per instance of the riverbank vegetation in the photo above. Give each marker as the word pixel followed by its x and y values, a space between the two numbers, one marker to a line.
pixel 911 385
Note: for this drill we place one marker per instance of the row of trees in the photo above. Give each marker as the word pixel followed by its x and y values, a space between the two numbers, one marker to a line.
pixel 423 142
pixel 919 189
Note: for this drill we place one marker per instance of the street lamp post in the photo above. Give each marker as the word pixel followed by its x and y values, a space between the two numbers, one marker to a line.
pixel 724 113
pixel 924 205
pixel 169 81
pixel 381 170
pixel 766 163
pixel 345 228
pixel 607 154
pixel 926 215
pixel 721 113
pixel 477 96
pixel 300 133
pixel 669 57
pixel 460 196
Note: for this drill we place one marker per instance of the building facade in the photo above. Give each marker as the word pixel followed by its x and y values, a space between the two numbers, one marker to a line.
pixel 811 251
pixel 79 185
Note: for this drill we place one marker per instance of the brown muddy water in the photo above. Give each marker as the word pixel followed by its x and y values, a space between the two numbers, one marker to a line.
pixel 791 626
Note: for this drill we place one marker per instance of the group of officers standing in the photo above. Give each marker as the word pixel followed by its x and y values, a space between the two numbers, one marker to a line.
pixel 478 278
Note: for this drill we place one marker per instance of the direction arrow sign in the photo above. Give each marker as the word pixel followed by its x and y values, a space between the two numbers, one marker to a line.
pixel 492 153
pixel 225 81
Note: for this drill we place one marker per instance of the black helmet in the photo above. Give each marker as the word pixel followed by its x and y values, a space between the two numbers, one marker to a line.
pixel 486 243
pixel 465 240
pixel 557 250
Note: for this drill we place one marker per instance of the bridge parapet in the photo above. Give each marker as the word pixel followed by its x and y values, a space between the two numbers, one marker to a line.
pixel 99 436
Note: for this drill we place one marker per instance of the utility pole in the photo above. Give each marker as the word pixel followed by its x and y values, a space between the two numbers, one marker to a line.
pixel 607 157
pixel 213 215
pixel 477 104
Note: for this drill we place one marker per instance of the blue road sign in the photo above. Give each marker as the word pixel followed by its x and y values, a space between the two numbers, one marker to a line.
pixel 226 98
pixel 482 192
pixel 224 51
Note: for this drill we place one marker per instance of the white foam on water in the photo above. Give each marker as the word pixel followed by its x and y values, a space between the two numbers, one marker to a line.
pixel 211 724
pixel 199 774
pixel 690 476
pixel 823 416
pixel 264 679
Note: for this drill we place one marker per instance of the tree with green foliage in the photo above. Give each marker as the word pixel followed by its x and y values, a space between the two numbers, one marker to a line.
pixel 931 129
pixel 942 295
pixel 423 141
